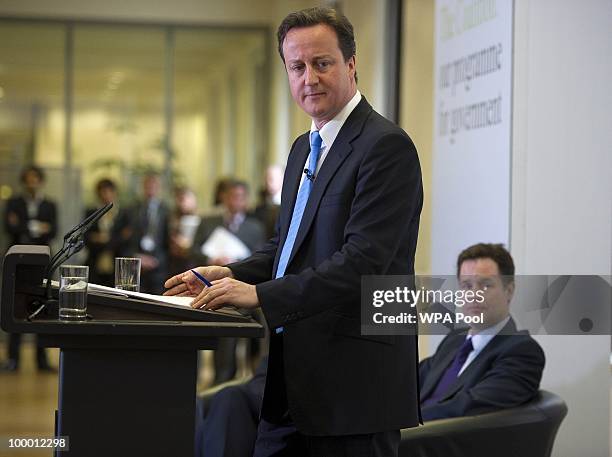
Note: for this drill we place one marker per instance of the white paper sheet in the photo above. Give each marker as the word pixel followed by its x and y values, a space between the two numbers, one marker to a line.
pixel 223 243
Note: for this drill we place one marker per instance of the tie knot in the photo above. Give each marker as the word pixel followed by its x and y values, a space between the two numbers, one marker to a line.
pixel 315 139
pixel 466 347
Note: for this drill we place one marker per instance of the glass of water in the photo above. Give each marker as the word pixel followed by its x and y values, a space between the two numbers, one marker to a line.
pixel 127 273
pixel 73 292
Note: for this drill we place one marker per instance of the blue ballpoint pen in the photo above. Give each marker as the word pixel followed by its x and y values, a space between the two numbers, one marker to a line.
pixel 206 282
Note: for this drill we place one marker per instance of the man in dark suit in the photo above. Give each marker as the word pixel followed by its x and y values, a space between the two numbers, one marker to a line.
pixel 234 219
pixel 492 365
pixel 351 202
pixel 226 421
pixel 249 231
pixel 150 237
pixel 29 218
pixel 108 238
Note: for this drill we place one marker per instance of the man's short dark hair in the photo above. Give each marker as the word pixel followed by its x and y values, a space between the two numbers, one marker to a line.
pixel 496 252
pixel 33 169
pixel 234 183
pixel 105 183
pixel 320 15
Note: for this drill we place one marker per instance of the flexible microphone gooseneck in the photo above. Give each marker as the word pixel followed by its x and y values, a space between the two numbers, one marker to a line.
pixel 74 241
pixel 95 216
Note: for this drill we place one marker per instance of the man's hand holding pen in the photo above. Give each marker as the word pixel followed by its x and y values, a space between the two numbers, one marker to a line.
pixel 223 290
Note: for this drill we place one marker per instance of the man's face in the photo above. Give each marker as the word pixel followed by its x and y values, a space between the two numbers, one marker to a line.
pixel 321 81
pixel 32 182
pixel 151 186
pixel 274 179
pixel 236 199
pixel 186 202
pixel 107 195
pixel 483 274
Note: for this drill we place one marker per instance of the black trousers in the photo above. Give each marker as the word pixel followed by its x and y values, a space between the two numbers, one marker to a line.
pixel 14 346
pixel 283 440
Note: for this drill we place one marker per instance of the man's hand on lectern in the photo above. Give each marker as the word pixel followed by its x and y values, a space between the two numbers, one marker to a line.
pixel 227 291
pixel 186 284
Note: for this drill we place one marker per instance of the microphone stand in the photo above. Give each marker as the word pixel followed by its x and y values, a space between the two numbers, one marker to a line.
pixel 87 221
pixel 74 241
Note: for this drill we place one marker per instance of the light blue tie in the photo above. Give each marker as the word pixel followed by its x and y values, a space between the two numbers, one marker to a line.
pixel 300 204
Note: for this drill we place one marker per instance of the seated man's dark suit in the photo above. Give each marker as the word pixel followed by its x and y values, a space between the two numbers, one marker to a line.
pixel 226 422
pixel 506 373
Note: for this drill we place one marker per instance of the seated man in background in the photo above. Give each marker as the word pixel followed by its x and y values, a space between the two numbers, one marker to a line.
pixel 489 366
pixel 474 370
pixel 226 422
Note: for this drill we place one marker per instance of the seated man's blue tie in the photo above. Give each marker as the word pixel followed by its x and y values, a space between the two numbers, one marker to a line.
pixel 451 373
pixel 300 204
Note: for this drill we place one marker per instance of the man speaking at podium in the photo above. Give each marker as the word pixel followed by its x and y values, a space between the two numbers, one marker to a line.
pixel 351 201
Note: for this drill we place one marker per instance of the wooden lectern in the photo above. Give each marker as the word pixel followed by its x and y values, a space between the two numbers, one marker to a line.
pixel 127 375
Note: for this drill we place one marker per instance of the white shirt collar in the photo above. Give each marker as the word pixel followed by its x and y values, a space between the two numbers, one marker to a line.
pixel 330 130
pixel 482 338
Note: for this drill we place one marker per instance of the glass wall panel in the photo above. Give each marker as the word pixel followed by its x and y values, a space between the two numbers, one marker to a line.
pixel 216 74
pixel 32 120
pixel 191 102
pixel 118 117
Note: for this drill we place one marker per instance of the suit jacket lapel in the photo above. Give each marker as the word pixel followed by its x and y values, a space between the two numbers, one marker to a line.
pixel 293 175
pixel 509 328
pixel 339 151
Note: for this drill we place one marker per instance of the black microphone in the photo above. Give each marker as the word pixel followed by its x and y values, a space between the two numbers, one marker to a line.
pixel 95 216
pixel 309 174
pixel 88 223
pixel 73 243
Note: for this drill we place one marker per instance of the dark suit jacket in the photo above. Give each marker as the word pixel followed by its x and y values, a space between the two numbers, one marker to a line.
pixel 139 224
pixel 506 373
pixel 19 233
pixel 250 232
pixel 362 218
pixel 118 245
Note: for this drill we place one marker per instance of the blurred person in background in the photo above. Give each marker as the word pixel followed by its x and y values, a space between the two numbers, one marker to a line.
pixel 235 223
pixel 184 222
pixel 30 218
pixel 150 238
pixel 108 238
pixel 270 199
pixel 220 187
pixel 234 219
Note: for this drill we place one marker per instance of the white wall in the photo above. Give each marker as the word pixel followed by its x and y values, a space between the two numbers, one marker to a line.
pixel 561 188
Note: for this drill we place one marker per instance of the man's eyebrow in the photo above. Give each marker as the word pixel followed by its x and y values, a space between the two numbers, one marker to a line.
pixel 323 56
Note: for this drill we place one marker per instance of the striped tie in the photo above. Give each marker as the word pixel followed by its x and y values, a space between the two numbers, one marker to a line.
pixel 300 204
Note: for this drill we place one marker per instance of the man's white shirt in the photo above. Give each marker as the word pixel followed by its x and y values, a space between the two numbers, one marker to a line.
pixel 481 339
pixel 330 131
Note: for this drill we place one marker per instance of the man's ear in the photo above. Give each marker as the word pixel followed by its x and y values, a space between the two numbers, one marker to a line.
pixel 510 289
pixel 351 63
